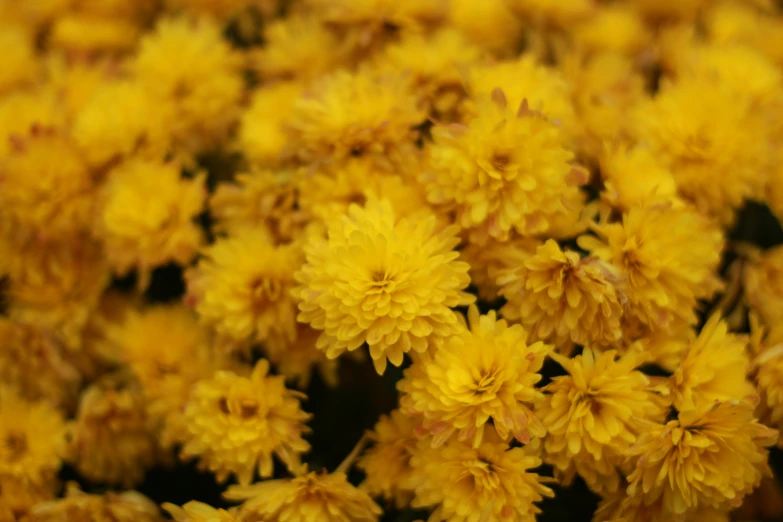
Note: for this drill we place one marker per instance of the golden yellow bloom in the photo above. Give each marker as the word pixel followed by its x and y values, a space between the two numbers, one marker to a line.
pixel 78 506
pixel 621 507
pixel 235 424
pixel 594 414
pixel 242 287
pixel 488 258
pixel 22 110
pixel 311 497
pixel 767 372
pixel 297 359
pixel 46 189
pixel 262 135
pixel 763 284
pixel 562 299
pixel 119 120
pixel 33 436
pixel 738 22
pixel 634 177
pixel 564 12
pixel 465 483
pixel 17 496
pixel 198 512
pixel 354 113
pixel 387 463
pixel 17 64
pixel 387 282
pixel 33 360
pixel 488 23
pixel 139 231
pixel 669 257
pixel 264 199
pixel 615 29
pixel 714 368
pixel 709 457
pixel 86 32
pixel 485 372
pixel 188 66
pixel 111 440
pixel 495 185
pixel 691 125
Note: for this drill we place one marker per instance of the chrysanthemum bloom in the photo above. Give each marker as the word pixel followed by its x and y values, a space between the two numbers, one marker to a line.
pixel 354 113
pixel 198 512
pixel 188 66
pixel 168 351
pixel 621 507
pixel 481 372
pixel 78 506
pixel 111 440
pixel 495 185
pixel 767 372
pixel 562 298
pixel 264 199
pixel 432 64
pixel 32 360
pixel 387 282
pixel 312 497
pixel 692 126
pixel 594 414
pixel 487 259
pixel 18 65
pixel 299 358
pixel 262 135
pixel 242 287
pixel 669 257
pixel 33 436
pixel 147 216
pixel 709 457
pixel 84 32
pixel 467 484
pixel 613 29
pixel 46 189
pixel 235 424
pixel 714 367
pixel 386 463
pixel 743 23
pixel 762 280
pixel 298 47
pixel 17 496
pixel 634 177
pixel 119 120
pixel 22 110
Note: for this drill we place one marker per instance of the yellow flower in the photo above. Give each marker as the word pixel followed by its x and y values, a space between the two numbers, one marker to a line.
pixel 762 280
pixel 621 507
pixel 691 125
pixel 17 65
pixel 242 287
pixel 297 359
pixel 487 23
pixel 262 135
pixel 669 257
pixel 487 259
pixel 78 506
pixel 495 185
pixel 767 372
pixel 738 22
pixel 485 372
pixel 387 282
pixel 354 113
pixel 564 12
pixel 633 177
pixel 614 28
pixel 222 9
pixel 33 436
pixel 86 32
pixel 713 368
pixel 46 189
pixel 467 484
pixel 119 120
pixel 140 231
pixel 17 496
pixel 311 497
pixel 387 463
pixel 23 110
pixel 188 66
pixel 708 457
pixel 374 16
pixel 235 424
pixel 562 299
pixel 33 360
pixel 594 414
pixel 198 512
pixel 110 438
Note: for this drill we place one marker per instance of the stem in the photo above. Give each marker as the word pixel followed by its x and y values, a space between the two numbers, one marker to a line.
pixel 349 460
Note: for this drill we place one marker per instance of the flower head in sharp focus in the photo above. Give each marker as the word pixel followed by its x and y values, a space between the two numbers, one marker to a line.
pixel 242 287
pixel 78 506
pixel 494 185
pixel 198 512
pixel 714 367
pixel 668 256
pixel 139 231
pixel 562 298
pixel 709 457
pixel 594 414
pixel 234 424
pixel 311 497
pixel 387 282
pixel 467 484
pixel 387 463
pixel 32 438
pixel 357 113
pixel 483 372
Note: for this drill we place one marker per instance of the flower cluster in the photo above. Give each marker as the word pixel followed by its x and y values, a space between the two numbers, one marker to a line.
pixel 536 242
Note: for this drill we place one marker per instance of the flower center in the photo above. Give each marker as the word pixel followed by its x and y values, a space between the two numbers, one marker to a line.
pixel 265 290
pixel 16 446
